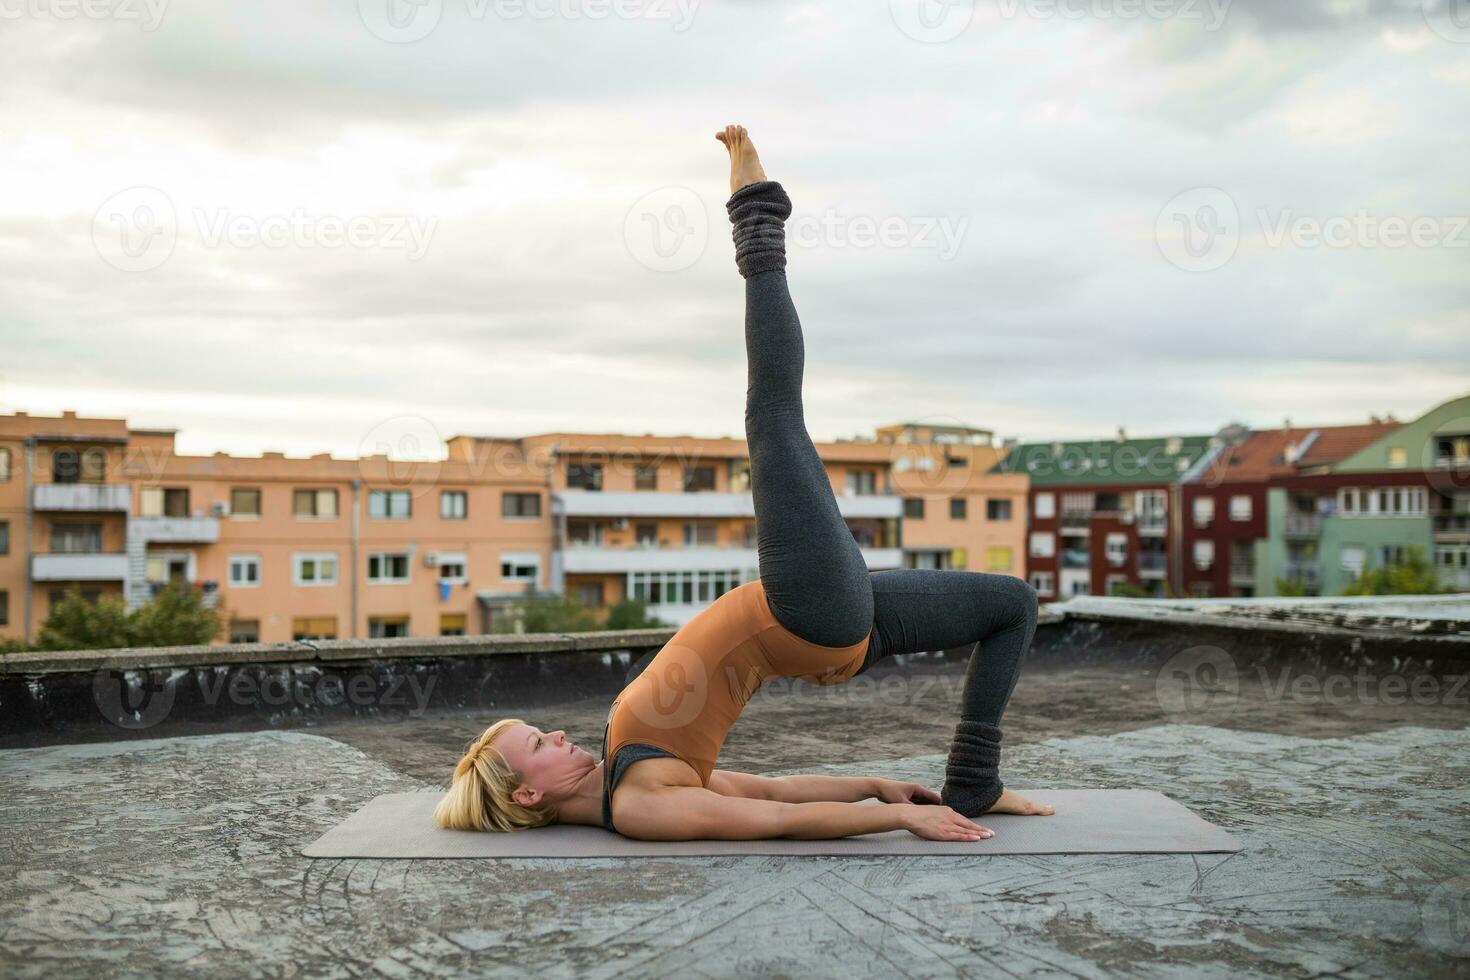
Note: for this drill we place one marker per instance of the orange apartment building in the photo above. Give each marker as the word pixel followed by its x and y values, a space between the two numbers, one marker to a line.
pixel 321 547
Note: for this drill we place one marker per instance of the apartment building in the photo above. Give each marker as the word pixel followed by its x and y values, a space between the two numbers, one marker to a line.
pixel 321 547
pixel 1104 514
pixel 1315 507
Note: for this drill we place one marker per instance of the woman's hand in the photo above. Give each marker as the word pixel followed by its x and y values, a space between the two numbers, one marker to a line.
pixel 892 791
pixel 942 823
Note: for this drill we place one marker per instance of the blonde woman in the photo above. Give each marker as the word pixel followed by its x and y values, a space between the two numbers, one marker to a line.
pixel 816 613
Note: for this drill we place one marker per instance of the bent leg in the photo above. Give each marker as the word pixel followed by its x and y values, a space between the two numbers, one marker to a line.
pixel 811 567
pixel 922 610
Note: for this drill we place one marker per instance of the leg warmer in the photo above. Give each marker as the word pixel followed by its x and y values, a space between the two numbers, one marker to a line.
pixel 972 777
pixel 759 212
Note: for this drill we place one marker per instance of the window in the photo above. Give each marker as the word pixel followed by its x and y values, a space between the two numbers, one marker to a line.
pixel 76 538
pixel 454 505
pixel 4 537
pixel 54 597
pixel 4 608
pixel 739 475
pixel 1116 547
pixel 1044 583
pixel 1046 506
pixel 176 567
pixel 646 535
pixel 998 559
pixel 584 476
pixel 1115 585
pixel 244 501
pixel 674 588
pixel 1398 457
pixel 314 568
pixel 520 505
pixel 520 566
pixel 698 478
pixel 1152 507
pixel 79 466
pixel 453 568
pixel 452 624
pixel 388 568
pixel 1204 511
pixel 1204 554
pixel 957 508
pixel 1353 556
pixel 749 537
pixel 386 627
pixel 997 510
pixel 244 571
pixel 913 507
pixel 390 505
pixel 862 483
pixel 1240 507
pixel 1043 544
pixel 307 503
pixel 4 465
pixel 244 631
pixel 1382 502
pixel 163 502
pixel 1391 554
pixel 590 593
pixel 314 628
pixel 645 476
pixel 699 534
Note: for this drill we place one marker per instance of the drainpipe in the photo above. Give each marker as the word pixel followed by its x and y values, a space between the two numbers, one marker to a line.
pixel 1176 538
pixel 30 459
pixel 356 535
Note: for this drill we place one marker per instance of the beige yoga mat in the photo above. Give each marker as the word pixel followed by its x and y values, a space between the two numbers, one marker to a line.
pixel 1088 821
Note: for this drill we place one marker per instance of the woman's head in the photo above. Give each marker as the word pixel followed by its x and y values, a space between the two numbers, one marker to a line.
pixel 513 777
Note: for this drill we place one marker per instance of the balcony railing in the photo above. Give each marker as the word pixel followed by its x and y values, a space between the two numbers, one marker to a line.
pixel 1153 522
pixel 1242 572
pixel 1149 562
pixel 82 496
pixel 1300 525
pixel 178 530
pixel 79 567
pixel 1308 573
pixel 1452 525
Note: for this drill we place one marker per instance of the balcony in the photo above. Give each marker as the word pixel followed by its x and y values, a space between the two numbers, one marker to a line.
pixel 1243 572
pixel 1308 573
pixel 1452 527
pixel 1152 565
pixel 1299 525
pixel 82 567
pixel 1078 520
pixel 590 559
pixel 1153 523
pixel 592 503
pixel 82 497
pixel 175 530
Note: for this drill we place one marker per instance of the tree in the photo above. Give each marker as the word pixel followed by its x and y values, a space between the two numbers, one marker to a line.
pixel 1290 587
pixel 631 614
pixel 1413 574
pixel 546 614
pixel 176 616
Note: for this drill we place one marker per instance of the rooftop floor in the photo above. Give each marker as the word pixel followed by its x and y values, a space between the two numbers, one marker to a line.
pixel 138 858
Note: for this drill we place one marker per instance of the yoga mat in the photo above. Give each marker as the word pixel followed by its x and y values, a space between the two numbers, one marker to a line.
pixel 1096 821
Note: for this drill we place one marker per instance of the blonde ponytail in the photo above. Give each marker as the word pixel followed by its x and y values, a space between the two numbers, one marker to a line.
pixel 479 796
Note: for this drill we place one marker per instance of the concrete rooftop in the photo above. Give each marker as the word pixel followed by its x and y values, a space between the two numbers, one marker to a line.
pixel 181 855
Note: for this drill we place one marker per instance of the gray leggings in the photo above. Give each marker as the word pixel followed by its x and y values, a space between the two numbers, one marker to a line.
pixel 812 569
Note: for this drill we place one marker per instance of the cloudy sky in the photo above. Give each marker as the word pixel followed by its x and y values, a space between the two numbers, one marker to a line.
pixel 297 226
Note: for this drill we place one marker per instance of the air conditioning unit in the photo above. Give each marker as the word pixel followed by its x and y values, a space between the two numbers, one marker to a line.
pixel 620 524
pixel 431 559
pixel 219 508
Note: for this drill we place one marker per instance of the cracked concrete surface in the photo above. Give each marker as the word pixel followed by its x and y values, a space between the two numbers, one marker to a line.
pixel 181 856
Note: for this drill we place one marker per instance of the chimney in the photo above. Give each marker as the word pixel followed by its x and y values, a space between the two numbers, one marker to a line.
pixel 1122 436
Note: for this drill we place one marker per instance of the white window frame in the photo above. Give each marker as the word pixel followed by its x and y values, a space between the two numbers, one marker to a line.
pixel 1045 507
pixel 1241 507
pixel 1048 544
pixel 1400 501
pixel 461 495
pixel 1044 583
pixel 388 497
pixel 238 562
pixel 389 579
pixel 448 558
pixel 1353 558
pixel 1204 553
pixel 521 558
pixel 299 558
pixel 1115 546
pixel 1204 511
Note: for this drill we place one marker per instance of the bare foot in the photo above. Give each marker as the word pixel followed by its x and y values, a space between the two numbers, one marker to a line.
pixel 745 164
pixel 1011 802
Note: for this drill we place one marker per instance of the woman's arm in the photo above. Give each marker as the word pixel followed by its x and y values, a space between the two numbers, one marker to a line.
pixel 696 813
pixel 793 789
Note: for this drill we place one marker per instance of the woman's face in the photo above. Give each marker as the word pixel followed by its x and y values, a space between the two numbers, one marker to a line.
pixel 550 764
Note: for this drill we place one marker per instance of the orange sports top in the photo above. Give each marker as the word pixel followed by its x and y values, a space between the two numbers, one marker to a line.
pixel 689 695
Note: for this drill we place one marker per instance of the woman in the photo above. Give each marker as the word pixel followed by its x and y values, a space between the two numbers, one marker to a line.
pixel 815 613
